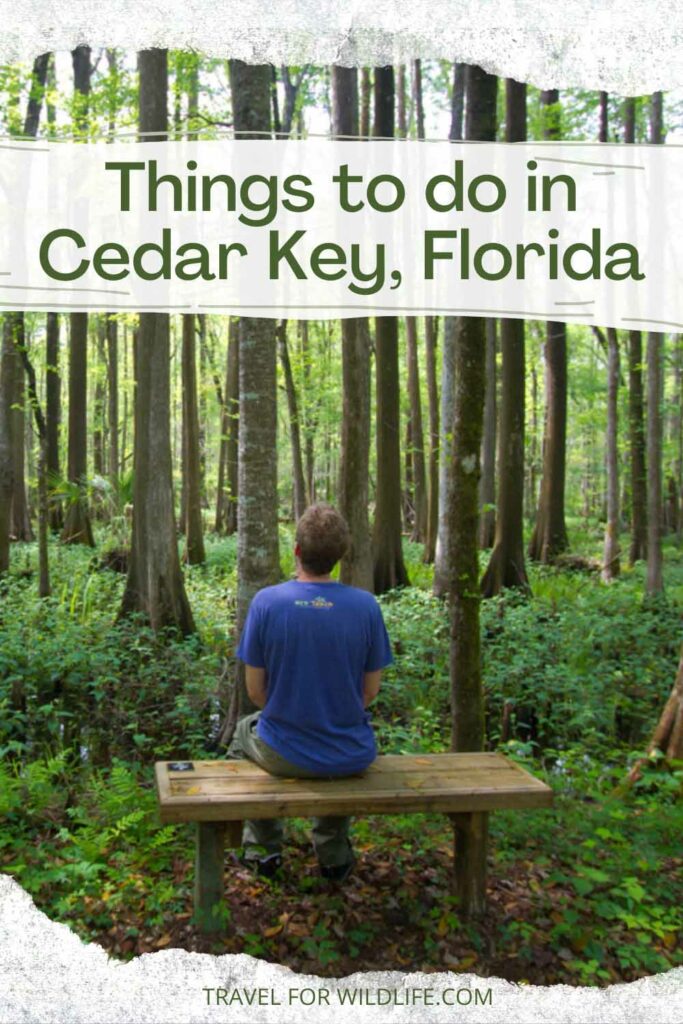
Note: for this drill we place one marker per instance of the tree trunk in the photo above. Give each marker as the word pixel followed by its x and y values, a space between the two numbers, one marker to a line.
pixel 610 568
pixel 98 401
pixel 611 552
pixel 194 535
pixel 294 427
pixel 441 558
pixel 155 584
pixel 113 401
pixel 53 413
pixel 636 415
pixel 226 500
pixel 20 520
pixel 6 460
pixel 487 484
pixel 357 566
pixel 667 737
pixel 549 538
pixel 655 391
pixel 416 435
pixel 431 324
pixel 365 103
pixel 389 568
pixel 258 562
pixel 506 566
pixel 77 528
pixel 467 695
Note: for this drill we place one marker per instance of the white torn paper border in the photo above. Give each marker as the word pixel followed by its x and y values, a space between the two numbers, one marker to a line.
pixel 47 974
pixel 626 47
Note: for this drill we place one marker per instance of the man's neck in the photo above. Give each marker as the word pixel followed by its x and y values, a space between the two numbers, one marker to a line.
pixel 306 577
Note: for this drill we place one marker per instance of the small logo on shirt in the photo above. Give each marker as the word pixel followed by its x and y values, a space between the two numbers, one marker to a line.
pixel 317 602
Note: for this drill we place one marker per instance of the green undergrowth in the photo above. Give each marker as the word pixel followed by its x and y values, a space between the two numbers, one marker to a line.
pixel 575 678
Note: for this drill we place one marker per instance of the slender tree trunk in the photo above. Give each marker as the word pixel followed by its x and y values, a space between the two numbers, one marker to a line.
pixel 155 584
pixel 6 460
pixel 549 538
pixel 43 563
pixel 226 499
pixel 655 392
pixel 194 535
pixel 506 566
pixel 77 528
pixel 294 427
pixel 416 434
pixel 357 566
pixel 257 516
pixel 431 324
pixel 611 566
pixel 389 568
pixel 487 484
pixel 113 400
pixel 53 412
pixel 467 696
pixel 441 557
pixel 21 528
pixel 98 402
pixel 365 103
pixel 636 406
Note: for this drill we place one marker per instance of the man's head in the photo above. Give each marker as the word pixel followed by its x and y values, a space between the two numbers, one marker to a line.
pixel 322 539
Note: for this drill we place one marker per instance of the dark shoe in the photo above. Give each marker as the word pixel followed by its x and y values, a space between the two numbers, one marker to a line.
pixel 338 872
pixel 264 867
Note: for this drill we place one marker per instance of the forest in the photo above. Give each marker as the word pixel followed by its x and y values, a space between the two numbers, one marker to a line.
pixel 514 492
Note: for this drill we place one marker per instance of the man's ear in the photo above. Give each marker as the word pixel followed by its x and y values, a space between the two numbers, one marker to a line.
pixel 297 551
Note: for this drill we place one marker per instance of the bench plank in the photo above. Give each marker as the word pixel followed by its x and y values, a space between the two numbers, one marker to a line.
pixel 394 784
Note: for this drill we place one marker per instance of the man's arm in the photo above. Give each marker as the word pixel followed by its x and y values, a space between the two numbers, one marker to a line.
pixel 371 681
pixel 256 685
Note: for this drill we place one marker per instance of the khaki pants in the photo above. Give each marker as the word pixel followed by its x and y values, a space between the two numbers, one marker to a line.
pixel 263 837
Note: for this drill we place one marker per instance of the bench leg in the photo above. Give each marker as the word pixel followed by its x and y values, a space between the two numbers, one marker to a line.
pixel 470 835
pixel 209 888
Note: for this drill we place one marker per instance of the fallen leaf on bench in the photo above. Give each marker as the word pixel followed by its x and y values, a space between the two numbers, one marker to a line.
pixel 415 783
pixel 423 760
pixel 192 791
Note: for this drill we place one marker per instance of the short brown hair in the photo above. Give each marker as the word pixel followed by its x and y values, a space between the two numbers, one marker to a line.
pixel 323 538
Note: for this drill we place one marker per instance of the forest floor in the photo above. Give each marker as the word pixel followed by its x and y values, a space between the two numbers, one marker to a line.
pixel 589 892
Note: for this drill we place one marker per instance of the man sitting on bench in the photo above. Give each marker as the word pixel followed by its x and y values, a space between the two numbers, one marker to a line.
pixel 313 650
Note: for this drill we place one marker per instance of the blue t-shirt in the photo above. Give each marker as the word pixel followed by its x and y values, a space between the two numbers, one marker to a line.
pixel 316 641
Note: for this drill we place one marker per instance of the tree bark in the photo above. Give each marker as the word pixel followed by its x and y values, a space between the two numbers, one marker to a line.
pixel 506 566
pixel 155 584
pixel 467 695
pixel 655 391
pixel 226 498
pixel 549 538
pixel 77 528
pixel 113 401
pixel 487 484
pixel 194 535
pixel 416 435
pixel 389 568
pixel 53 413
pixel 636 405
pixel 6 460
pixel 357 565
pixel 258 563
pixel 431 324
pixel 441 558
pixel 611 566
pixel 294 426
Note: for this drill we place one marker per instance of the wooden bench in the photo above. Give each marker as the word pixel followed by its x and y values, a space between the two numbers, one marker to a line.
pixel 219 795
